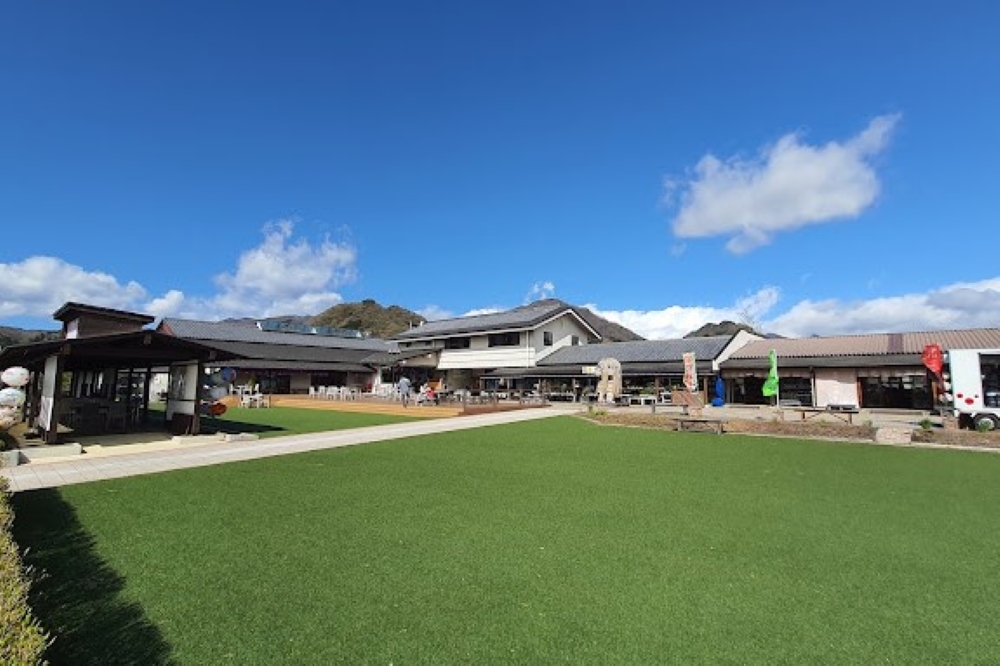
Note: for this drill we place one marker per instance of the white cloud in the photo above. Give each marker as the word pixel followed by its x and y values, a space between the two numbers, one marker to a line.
pixel 435 313
pixel 751 308
pixel 167 305
pixel 483 311
pixel 678 320
pixel 673 322
pixel 38 286
pixel 956 306
pixel 283 276
pixel 540 291
pixel 786 186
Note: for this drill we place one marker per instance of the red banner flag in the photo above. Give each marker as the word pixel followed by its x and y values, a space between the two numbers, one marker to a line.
pixel 933 358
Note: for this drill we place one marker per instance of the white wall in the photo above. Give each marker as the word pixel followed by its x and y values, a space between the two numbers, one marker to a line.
pixel 563 329
pixel 185 384
pixel 739 341
pixel 836 387
pixel 531 348
pixel 495 357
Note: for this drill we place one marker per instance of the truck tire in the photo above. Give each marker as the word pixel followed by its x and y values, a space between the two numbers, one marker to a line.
pixel 984 422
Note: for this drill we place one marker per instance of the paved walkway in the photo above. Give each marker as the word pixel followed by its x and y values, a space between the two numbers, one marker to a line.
pixel 209 450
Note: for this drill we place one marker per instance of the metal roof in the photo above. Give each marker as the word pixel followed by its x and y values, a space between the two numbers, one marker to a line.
pixel 639 351
pixel 873 345
pixel 230 331
pixel 525 317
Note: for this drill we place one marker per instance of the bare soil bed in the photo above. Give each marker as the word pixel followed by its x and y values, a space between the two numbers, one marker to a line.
pixel 492 407
pixel 809 430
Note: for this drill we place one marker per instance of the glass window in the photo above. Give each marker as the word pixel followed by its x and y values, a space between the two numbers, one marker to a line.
pixel 547 338
pixel 504 339
pixel 457 343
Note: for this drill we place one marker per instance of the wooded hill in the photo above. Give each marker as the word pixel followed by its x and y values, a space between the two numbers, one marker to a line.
pixel 18 336
pixel 722 328
pixel 370 318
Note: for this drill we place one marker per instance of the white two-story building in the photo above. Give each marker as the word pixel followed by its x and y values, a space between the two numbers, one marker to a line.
pixel 467 351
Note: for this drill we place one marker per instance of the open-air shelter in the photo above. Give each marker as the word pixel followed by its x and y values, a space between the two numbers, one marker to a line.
pixel 97 380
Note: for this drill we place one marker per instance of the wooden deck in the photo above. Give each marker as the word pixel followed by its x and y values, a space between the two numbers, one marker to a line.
pixel 368 406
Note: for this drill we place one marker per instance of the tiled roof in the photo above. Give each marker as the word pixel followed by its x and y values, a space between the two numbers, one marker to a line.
pixel 141 347
pixel 71 310
pixel 878 344
pixel 392 357
pixel 639 351
pixel 297 366
pixel 248 332
pixel 525 317
pixel 258 351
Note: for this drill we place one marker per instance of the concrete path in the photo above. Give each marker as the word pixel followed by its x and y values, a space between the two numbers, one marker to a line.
pixel 207 450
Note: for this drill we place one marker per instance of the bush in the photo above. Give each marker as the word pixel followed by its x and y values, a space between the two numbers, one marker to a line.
pixel 22 640
pixel 926 424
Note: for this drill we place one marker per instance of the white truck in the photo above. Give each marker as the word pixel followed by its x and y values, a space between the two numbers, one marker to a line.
pixel 972 386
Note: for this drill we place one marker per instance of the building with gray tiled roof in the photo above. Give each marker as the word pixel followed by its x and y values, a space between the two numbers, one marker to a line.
pixel 524 318
pixel 646 365
pixel 882 370
pixel 288 361
pixel 470 350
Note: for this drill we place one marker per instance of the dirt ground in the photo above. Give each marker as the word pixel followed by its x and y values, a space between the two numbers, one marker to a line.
pixel 819 430
pixel 490 408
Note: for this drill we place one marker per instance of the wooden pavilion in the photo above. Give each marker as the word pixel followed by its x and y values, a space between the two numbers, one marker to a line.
pixel 96 378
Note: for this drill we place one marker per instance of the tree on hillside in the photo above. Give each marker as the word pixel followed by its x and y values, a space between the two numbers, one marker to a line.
pixel 370 318
pixel 722 328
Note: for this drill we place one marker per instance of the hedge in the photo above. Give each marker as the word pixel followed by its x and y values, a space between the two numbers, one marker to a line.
pixel 22 639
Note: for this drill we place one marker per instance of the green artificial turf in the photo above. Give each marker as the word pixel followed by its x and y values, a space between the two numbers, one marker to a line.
pixel 279 421
pixel 551 541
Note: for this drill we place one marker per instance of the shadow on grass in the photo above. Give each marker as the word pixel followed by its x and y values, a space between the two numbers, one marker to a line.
pixel 76 596
pixel 212 426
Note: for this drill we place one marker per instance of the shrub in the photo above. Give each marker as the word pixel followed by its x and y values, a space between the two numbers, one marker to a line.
pixel 926 424
pixel 22 640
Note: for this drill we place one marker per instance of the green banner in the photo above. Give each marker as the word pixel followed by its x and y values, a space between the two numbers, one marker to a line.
pixel 771 383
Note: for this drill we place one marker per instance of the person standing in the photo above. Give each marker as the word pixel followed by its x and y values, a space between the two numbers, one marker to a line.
pixel 404 390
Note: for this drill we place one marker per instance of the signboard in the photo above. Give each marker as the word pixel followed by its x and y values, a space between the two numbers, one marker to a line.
pixel 690 372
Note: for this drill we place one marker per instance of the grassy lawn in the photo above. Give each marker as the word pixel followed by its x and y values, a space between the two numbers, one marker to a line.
pixel 534 543
pixel 280 421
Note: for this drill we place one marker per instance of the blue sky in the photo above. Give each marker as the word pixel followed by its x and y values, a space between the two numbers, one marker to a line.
pixel 810 169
